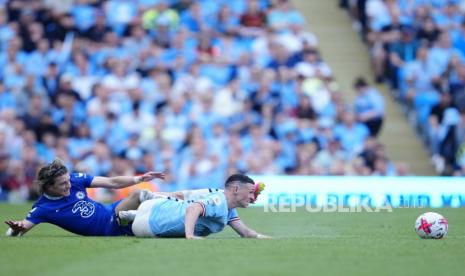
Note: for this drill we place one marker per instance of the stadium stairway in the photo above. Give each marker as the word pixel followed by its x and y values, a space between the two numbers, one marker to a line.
pixel 343 50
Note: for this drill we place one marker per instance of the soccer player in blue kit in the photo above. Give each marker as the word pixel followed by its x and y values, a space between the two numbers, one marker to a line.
pixel 64 202
pixel 194 219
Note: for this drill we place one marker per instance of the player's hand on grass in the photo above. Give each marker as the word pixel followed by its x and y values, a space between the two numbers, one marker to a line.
pixel 194 238
pixel 149 176
pixel 261 236
pixel 16 228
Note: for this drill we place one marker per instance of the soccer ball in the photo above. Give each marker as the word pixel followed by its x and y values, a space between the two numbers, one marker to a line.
pixel 431 226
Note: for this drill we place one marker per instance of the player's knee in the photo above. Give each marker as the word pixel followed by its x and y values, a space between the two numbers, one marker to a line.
pixel 135 194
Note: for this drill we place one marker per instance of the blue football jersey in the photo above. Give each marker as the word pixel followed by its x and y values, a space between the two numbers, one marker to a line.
pixel 168 215
pixel 78 213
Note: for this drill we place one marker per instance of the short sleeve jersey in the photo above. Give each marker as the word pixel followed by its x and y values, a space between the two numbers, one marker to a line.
pixel 168 216
pixel 76 213
pixel 193 195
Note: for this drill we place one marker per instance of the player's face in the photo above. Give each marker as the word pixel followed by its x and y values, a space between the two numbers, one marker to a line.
pixel 61 187
pixel 245 195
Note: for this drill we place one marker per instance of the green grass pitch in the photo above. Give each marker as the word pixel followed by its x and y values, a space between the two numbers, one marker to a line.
pixel 304 244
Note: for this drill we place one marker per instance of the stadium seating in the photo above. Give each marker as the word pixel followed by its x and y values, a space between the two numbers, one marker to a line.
pixel 196 89
pixel 418 49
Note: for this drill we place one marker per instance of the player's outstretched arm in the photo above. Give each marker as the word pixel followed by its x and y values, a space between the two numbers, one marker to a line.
pixel 119 182
pixel 245 231
pixel 18 228
pixel 193 212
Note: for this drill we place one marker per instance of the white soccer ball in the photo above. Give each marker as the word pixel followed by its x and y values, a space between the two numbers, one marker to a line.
pixel 431 226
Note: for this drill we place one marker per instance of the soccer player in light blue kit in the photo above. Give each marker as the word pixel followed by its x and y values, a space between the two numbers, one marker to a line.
pixel 64 202
pixel 197 218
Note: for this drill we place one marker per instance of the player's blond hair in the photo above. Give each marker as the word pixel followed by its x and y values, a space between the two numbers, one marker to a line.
pixel 48 173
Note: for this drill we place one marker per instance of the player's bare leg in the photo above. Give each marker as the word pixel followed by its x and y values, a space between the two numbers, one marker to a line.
pixel 135 198
pixel 131 202
pixel 126 209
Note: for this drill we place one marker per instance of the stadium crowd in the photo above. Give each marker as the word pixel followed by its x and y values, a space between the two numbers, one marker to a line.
pixel 418 48
pixel 196 89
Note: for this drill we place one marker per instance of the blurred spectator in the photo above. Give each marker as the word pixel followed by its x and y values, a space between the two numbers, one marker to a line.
pixel 304 109
pixel 226 22
pixel 119 13
pixel 350 133
pixel 4 161
pixel 198 89
pixel 400 52
pixel 160 14
pixel 253 18
pixel 99 161
pixel 96 32
pixel 284 16
pixel 431 84
pixel 428 32
pixel 369 106
pixel 326 159
pixel 402 169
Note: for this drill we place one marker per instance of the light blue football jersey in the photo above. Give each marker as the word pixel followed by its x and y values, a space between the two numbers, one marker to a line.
pixel 194 195
pixel 167 216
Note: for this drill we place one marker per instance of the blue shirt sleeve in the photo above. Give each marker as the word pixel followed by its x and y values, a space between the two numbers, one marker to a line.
pixel 378 103
pixel 36 215
pixel 82 180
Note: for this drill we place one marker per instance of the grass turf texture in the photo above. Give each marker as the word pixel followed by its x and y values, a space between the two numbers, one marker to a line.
pixel 304 244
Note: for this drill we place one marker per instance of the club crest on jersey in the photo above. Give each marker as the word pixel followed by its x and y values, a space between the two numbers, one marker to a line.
pixel 80 195
pixel 86 209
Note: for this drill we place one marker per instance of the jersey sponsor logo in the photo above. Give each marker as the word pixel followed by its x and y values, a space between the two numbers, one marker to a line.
pixel 86 209
pixel 80 195
pixel 79 175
